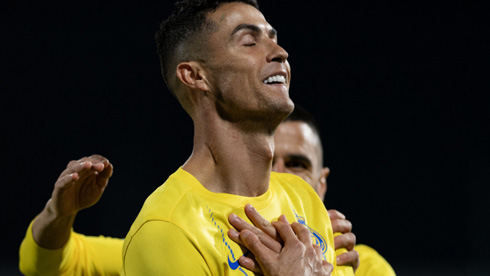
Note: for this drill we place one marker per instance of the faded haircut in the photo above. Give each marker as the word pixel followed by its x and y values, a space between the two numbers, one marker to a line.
pixel 183 35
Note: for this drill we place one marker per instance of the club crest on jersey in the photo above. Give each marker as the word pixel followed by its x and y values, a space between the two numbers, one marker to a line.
pixel 316 238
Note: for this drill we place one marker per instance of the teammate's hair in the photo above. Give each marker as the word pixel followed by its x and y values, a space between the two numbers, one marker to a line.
pixel 300 114
pixel 182 36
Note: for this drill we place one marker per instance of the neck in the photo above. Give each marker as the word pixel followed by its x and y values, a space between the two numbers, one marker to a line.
pixel 231 157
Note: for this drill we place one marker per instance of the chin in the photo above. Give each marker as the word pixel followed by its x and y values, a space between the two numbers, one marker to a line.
pixel 286 107
pixel 282 109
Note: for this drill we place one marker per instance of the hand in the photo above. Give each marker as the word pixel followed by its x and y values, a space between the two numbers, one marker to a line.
pixel 80 185
pixel 297 257
pixel 346 239
pixel 263 229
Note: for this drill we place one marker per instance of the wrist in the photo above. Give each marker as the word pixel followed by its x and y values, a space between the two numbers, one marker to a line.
pixel 50 230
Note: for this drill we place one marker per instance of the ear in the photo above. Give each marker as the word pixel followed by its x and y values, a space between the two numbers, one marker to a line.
pixel 321 189
pixel 192 75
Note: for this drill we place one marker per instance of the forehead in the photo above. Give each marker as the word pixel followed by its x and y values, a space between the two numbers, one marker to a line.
pixel 230 15
pixel 294 137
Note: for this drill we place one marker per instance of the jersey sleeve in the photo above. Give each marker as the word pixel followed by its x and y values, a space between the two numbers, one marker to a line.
pixel 82 255
pixel 162 248
pixel 372 263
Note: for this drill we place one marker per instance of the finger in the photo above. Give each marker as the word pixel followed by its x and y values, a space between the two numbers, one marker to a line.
pixel 241 225
pixel 87 170
pixel 334 214
pixel 327 267
pixel 285 231
pixel 65 180
pixel 283 219
pixel 250 264
pixel 76 167
pixel 234 235
pixel 260 222
pixel 347 241
pixel 252 242
pixel 302 232
pixel 107 171
pixel 341 225
pixel 349 258
pixel 98 158
pixel 318 251
pixel 99 162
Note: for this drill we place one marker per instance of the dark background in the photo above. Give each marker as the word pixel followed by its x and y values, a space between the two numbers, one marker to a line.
pixel 400 90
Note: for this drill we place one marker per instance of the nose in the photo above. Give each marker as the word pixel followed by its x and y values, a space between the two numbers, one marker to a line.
pixel 277 53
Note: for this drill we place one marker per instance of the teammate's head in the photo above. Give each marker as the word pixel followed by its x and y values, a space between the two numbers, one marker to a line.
pixel 298 150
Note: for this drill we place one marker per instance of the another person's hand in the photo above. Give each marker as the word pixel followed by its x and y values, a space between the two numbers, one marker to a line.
pixel 80 185
pixel 346 239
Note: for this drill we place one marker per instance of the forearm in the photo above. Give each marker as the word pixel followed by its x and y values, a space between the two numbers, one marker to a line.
pixel 51 231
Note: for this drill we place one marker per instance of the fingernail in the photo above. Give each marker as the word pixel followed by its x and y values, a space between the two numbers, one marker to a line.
pixel 245 234
pixel 233 232
pixel 232 217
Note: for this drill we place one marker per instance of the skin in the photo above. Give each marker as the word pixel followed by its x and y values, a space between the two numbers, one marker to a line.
pixel 83 181
pixel 79 186
pixel 230 133
pixel 298 151
pixel 228 101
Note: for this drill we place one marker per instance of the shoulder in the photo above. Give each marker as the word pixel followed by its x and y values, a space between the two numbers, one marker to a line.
pixel 372 263
pixel 292 184
pixel 143 252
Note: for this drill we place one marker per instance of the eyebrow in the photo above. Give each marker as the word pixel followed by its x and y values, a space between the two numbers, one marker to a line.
pixel 272 32
pixel 299 157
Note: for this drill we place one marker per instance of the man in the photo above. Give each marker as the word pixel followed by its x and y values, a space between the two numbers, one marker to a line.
pixel 223 64
pixel 232 78
pixel 298 150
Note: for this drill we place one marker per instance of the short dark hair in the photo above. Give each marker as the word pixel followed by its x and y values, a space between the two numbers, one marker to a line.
pixel 184 27
pixel 302 115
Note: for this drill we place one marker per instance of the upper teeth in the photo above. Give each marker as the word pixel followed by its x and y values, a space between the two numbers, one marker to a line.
pixel 277 78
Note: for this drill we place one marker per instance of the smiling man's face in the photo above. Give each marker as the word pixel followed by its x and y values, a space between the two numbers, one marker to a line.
pixel 248 72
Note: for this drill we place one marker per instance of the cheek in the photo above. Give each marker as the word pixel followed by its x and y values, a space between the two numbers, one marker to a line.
pixel 306 177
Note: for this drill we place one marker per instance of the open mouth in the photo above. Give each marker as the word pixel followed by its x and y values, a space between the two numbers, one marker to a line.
pixel 277 79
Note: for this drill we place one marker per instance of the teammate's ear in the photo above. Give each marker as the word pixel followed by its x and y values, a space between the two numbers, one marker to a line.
pixel 191 74
pixel 321 189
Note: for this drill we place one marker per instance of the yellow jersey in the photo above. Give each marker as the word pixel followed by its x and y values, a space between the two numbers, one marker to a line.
pixel 182 227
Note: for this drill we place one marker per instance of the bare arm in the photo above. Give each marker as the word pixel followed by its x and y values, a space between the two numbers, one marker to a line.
pixel 79 186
